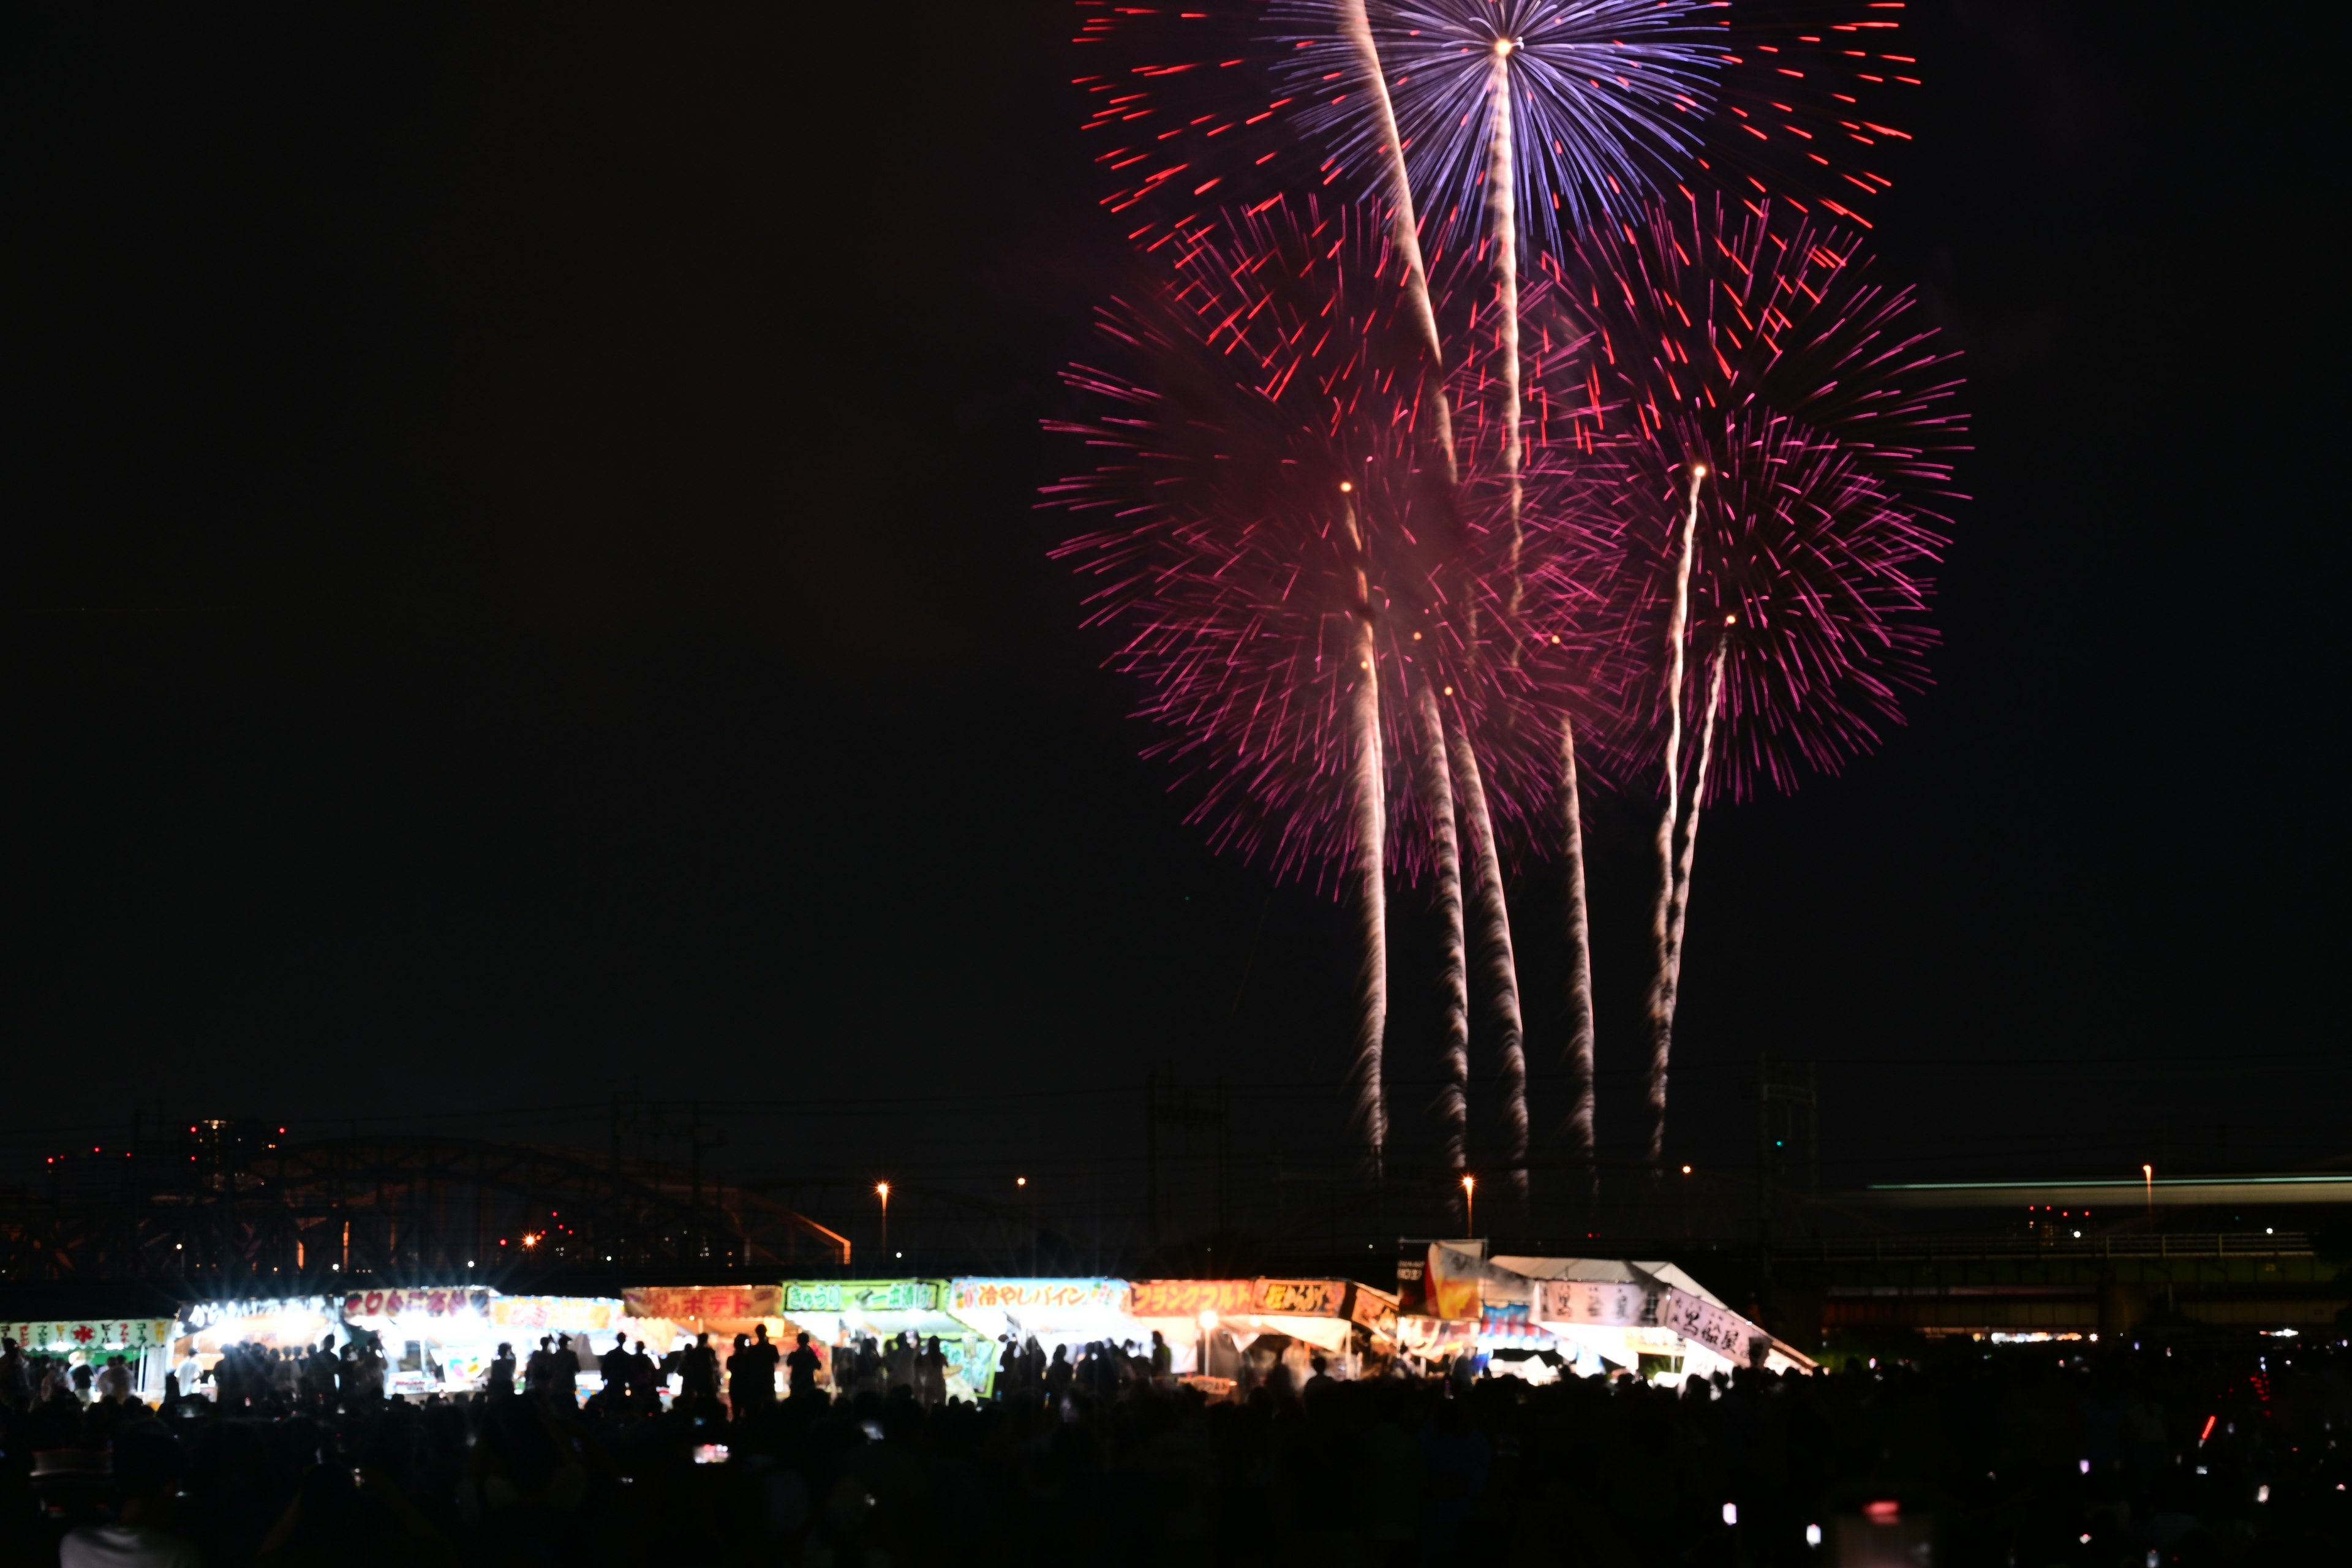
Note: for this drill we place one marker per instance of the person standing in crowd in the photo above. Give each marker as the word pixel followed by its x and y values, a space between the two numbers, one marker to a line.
pixel 739 1372
pixel 760 1372
pixel 619 1376
pixel 698 1373
pixel 563 1375
pixel 803 1366
pixel 502 1371
pixel 114 1381
pixel 931 1375
pixel 16 1387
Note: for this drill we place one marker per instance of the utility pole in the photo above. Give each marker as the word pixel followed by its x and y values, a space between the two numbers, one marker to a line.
pixel 693 1208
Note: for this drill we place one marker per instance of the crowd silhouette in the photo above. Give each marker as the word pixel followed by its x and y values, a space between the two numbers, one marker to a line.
pixel 2197 1450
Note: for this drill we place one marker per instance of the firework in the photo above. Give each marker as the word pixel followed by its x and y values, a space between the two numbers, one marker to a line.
pixel 1661 1004
pixel 1277 551
pixel 1608 100
pixel 1808 103
pixel 1708 310
pixel 1581 1117
pixel 1502 965
pixel 1437 797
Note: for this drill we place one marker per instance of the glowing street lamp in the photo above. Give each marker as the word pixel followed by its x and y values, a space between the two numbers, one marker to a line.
pixel 882 1190
pixel 1470 1204
pixel 2148 1174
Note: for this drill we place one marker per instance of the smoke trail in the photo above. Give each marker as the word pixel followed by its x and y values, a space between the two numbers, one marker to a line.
pixel 1690 835
pixel 1501 185
pixel 1660 998
pixel 1371 861
pixel 1437 796
pixel 1579 957
pixel 1502 967
pixel 1404 227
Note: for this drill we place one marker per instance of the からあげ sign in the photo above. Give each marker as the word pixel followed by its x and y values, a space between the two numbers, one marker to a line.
pixel 1300 1298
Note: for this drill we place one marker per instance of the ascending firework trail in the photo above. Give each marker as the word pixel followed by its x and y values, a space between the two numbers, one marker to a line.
pixel 1365 784
pixel 1690 836
pixel 1502 968
pixel 1437 799
pixel 1662 999
pixel 1579 956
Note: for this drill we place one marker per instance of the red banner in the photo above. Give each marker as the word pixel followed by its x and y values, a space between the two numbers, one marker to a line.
pixel 1190 1298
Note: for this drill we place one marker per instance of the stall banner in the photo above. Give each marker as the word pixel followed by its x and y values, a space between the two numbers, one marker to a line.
pixel 414 1303
pixel 1040 1295
pixel 565 1314
pixel 1375 1311
pixel 1450 1284
pixel 679 1304
pixel 1609 1303
pixel 1300 1298
pixel 1190 1298
pixel 1719 1328
pixel 205 1314
pixel 861 1296
pixel 95 1335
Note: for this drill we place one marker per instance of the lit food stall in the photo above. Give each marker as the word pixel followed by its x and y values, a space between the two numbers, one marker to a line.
pixel 838 1312
pixel 1337 1317
pixel 1650 1319
pixel 141 1343
pixel 1064 1313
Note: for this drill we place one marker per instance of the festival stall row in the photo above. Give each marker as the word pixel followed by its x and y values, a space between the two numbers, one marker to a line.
pixel 1541 1317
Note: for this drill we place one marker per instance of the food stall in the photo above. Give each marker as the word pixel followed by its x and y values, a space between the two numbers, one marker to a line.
pixel 434 1341
pixel 839 1312
pixel 1648 1318
pixel 144 1344
pixel 1339 1318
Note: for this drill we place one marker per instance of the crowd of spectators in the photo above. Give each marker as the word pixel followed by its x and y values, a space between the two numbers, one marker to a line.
pixel 2198 1451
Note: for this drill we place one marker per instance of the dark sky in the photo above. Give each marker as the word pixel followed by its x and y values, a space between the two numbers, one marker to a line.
pixel 521 584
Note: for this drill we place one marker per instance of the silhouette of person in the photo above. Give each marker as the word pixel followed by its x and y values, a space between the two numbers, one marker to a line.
pixel 739 1369
pixel 803 1364
pixel 698 1373
pixel 931 1375
pixel 502 1370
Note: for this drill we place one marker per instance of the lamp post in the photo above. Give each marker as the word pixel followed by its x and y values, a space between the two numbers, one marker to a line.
pixel 882 1190
pixel 1470 1205
pixel 2148 1174
pixel 1023 1183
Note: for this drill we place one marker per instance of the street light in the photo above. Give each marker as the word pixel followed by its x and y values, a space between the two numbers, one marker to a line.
pixel 882 1190
pixel 1470 1205
pixel 2148 1174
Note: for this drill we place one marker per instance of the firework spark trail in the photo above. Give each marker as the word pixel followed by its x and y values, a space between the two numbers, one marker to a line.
pixel 1661 999
pixel 1404 225
pixel 1690 841
pixel 1501 185
pixel 1371 894
pixel 1437 798
pixel 1580 954
pixel 1502 966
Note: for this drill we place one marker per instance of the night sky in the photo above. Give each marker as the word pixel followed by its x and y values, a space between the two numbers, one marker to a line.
pixel 522 586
